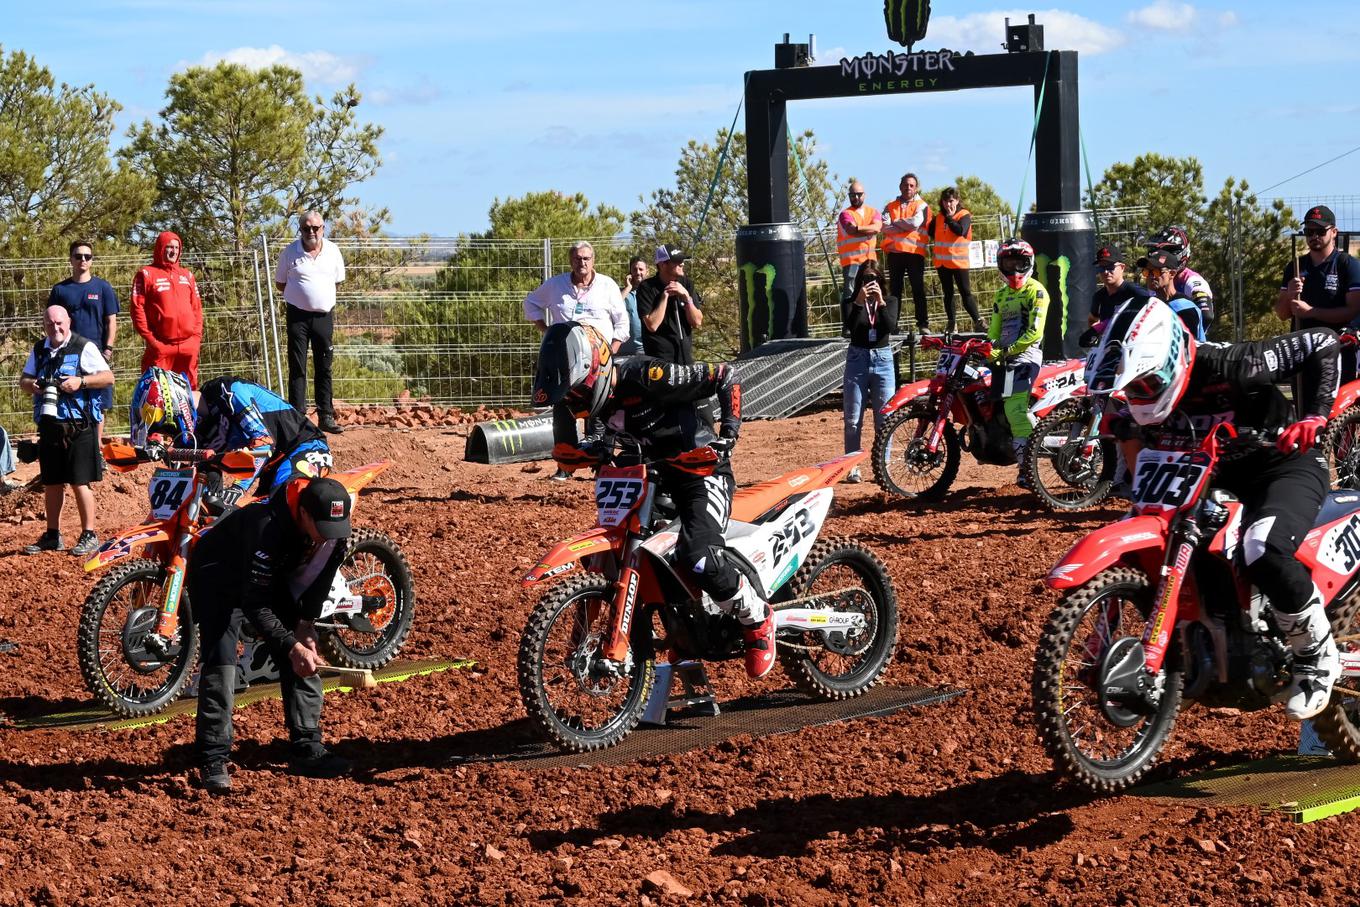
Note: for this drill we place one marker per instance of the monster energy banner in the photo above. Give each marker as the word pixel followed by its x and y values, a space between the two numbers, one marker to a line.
pixel 906 20
pixel 1064 248
pixel 771 283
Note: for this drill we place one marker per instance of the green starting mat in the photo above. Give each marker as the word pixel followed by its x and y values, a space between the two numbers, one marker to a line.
pixel 96 717
pixel 1306 787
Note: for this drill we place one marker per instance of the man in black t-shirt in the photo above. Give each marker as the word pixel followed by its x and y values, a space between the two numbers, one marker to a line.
pixel 670 309
pixel 1114 289
pixel 1327 294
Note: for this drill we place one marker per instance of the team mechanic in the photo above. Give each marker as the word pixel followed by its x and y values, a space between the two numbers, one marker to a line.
pixel 230 414
pixel 1019 312
pixel 653 400
pixel 272 563
pixel 1179 389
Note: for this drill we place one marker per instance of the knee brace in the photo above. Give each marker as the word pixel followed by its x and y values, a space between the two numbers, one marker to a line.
pixel 715 574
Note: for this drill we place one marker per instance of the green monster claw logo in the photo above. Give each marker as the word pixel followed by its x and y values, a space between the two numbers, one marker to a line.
pixel 1041 263
pixel 906 20
pixel 749 271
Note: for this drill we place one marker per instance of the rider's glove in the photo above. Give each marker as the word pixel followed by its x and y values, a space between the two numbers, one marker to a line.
pixel 1302 435
pixel 723 446
pixel 571 458
pixel 1091 336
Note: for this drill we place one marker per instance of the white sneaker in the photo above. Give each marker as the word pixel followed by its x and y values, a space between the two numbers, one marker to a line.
pixel 1317 663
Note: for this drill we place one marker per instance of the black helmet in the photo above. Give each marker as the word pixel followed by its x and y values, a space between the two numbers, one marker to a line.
pixel 574 365
pixel 1172 239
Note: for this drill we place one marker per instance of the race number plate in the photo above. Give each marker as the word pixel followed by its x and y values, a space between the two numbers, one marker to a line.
pixel 948 362
pixel 1165 480
pixel 617 491
pixel 167 491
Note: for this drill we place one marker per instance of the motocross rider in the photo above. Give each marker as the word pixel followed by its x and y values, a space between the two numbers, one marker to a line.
pixel 1189 284
pixel 653 401
pixel 1178 389
pixel 229 413
pixel 1016 330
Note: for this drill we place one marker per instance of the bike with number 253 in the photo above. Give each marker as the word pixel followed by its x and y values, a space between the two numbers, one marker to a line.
pixel 137 643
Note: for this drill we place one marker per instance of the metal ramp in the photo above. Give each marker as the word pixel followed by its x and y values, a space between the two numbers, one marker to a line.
pixel 781 377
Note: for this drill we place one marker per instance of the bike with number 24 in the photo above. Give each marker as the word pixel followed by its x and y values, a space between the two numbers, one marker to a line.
pixel 137 644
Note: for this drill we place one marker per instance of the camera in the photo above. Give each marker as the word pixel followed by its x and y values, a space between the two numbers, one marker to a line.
pixel 26 451
pixel 50 395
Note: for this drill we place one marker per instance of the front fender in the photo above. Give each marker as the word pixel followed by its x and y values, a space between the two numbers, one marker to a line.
pixel 122 545
pixel 565 554
pixel 1346 397
pixel 905 394
pixel 1105 547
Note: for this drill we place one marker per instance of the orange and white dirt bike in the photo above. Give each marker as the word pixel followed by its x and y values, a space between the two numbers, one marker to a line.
pixel 137 643
pixel 1342 441
pixel 595 643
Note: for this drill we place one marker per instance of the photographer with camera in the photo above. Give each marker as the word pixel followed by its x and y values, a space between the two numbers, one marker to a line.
pixel 66 374
pixel 868 319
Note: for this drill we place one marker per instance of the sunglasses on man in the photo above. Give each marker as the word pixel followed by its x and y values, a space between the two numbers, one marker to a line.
pixel 1315 232
pixel 82 256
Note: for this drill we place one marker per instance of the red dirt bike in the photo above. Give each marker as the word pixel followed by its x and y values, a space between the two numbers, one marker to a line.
pixel 918 452
pixel 1342 441
pixel 587 656
pixel 1156 610
pixel 137 643
pixel 1072 455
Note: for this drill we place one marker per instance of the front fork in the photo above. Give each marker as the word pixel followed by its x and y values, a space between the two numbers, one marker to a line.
pixel 623 609
pixel 946 406
pixel 1157 634
pixel 175 571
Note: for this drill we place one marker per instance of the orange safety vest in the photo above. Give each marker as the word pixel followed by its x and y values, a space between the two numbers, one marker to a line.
pixel 855 249
pixel 951 249
pixel 916 240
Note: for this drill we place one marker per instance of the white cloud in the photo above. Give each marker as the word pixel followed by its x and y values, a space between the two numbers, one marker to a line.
pixel 317 66
pixel 1228 19
pixel 1164 15
pixel 985 32
pixel 828 55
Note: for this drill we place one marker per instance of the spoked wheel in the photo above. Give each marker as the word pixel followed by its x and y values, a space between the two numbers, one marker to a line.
pixel 1060 471
pixel 124 664
pixel 1343 449
pixel 575 696
pixel 903 463
pixel 1338 725
pixel 1103 746
pixel 841 665
pixel 375 568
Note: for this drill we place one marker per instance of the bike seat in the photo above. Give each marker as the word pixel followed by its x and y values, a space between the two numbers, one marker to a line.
pixel 1337 505
pixel 749 504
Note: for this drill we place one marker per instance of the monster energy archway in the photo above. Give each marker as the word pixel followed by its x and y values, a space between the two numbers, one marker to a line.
pixel 1060 233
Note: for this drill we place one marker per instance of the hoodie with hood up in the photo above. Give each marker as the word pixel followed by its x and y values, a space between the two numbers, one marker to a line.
pixel 166 308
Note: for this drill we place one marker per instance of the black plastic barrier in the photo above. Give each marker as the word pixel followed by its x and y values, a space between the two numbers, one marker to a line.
pixel 771 283
pixel 1064 247
pixel 510 440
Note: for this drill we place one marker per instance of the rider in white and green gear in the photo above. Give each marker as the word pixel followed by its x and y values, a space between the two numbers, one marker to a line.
pixel 1016 331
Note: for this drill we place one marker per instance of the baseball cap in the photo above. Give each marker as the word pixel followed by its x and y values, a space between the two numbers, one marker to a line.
pixel 1321 216
pixel 1109 255
pixel 328 504
pixel 1162 258
pixel 670 252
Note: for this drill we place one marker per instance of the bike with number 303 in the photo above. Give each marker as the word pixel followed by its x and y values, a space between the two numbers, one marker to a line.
pixel 917 454
pixel 1157 610
pixel 137 644
pixel 588 654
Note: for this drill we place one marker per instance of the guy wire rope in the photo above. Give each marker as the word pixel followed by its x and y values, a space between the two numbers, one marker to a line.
pixel 1033 136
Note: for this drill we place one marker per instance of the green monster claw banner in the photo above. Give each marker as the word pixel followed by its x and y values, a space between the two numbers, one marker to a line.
pixel 771 283
pixel 753 306
pixel 906 20
pixel 1041 265
pixel 1064 244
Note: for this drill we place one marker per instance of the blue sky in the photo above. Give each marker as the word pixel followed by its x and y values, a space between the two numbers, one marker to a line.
pixel 483 99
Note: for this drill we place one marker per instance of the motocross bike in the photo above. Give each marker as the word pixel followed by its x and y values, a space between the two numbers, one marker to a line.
pixel 1072 456
pixel 917 453
pixel 1342 441
pixel 137 642
pixel 587 656
pixel 1156 610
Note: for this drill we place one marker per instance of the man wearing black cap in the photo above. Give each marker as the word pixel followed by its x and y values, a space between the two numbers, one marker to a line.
pixel 1115 289
pixel 1327 293
pixel 669 307
pixel 272 563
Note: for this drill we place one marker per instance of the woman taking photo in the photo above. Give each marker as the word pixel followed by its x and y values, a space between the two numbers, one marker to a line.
pixel 868 318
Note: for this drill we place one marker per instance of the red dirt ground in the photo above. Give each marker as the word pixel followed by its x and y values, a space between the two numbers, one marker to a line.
pixel 949 804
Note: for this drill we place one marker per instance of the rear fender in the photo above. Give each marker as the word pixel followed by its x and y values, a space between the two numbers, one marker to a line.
pixel 360 476
pixel 1137 539
pixel 565 555
pixel 125 543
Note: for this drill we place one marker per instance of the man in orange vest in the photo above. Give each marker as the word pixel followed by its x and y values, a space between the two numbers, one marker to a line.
pixel 905 240
pixel 952 231
pixel 857 232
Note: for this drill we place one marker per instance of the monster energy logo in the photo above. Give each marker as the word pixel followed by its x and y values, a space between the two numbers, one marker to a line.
pixel 1041 263
pixel 749 272
pixel 906 20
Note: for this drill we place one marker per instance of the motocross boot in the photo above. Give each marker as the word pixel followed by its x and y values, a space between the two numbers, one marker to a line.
pixel 1317 663
pixel 757 631
pixel 1021 448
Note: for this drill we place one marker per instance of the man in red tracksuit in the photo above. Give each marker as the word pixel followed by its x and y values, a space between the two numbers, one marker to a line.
pixel 167 311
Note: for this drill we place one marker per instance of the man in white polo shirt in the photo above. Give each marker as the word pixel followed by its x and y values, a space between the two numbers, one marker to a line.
pixel 308 271
pixel 580 295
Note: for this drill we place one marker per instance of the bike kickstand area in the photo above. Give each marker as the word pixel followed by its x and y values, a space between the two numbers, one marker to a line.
pixel 767 715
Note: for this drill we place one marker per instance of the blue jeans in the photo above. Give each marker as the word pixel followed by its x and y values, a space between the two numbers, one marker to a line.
pixel 6 454
pixel 848 275
pixel 866 370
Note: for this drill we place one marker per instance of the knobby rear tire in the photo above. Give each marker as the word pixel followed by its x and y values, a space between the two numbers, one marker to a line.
pixel 1057 422
pixel 397 584
pixel 1338 725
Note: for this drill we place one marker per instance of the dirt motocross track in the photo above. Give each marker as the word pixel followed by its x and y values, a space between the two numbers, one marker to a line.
pixel 953 803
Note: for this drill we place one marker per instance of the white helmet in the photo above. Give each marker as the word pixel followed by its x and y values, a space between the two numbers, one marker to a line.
pixel 1147 353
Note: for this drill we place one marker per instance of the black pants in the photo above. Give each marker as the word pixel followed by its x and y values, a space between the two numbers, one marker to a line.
pixel 312 329
pixel 219 627
pixel 949 277
pixel 703 504
pixel 1282 496
pixel 914 267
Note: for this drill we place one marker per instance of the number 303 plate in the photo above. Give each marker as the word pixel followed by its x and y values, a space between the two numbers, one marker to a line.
pixel 167 491
pixel 1166 480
